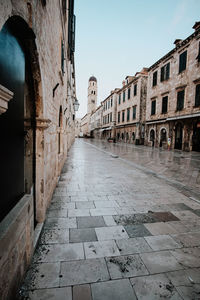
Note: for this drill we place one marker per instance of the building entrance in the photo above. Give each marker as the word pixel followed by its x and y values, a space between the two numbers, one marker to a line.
pixel 178 136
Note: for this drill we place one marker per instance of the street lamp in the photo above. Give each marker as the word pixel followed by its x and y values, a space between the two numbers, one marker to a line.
pixel 76 105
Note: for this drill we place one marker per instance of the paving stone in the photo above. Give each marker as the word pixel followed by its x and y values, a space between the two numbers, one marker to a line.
pixel 83 271
pixel 41 276
pixel 54 236
pixel 137 231
pixel 154 287
pixel 109 221
pixel 188 240
pixel 51 294
pixel 85 205
pixel 125 210
pixel 162 261
pixel 187 257
pixel 90 222
pixel 111 233
pixel 165 216
pixel 116 290
pixel 82 292
pixel 186 215
pixel 78 212
pixel 59 252
pixel 82 235
pixel 162 242
pixel 125 266
pixel 189 292
pixel 62 199
pixel 103 204
pixel 185 277
pixel 178 206
pixel 54 223
pixel 160 228
pixel 57 213
pixel 101 249
pixel 133 245
pixel 135 219
pixel 103 212
pixel 196 212
pixel 177 226
pixel 78 199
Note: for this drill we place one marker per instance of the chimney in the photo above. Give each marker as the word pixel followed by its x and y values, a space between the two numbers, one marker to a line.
pixel 123 82
pixel 177 42
pixel 196 26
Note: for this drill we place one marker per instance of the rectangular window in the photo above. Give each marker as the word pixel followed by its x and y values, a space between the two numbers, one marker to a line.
pixel 124 96
pixel 197 96
pixel 128 114
pixel 164 73
pixel 110 117
pixel 180 99
pixel 182 61
pixel 135 90
pixel 164 104
pixel 111 102
pixel 123 116
pixel 153 107
pixel 119 99
pixel 118 117
pixel 129 93
pixel 134 112
pixel 155 74
pixel 108 104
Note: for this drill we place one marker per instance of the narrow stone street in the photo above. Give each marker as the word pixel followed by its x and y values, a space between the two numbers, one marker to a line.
pixel 120 227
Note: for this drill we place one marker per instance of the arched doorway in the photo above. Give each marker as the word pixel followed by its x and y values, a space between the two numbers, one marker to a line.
pixel 178 136
pixel 163 136
pixel 20 74
pixel 196 137
pixel 152 137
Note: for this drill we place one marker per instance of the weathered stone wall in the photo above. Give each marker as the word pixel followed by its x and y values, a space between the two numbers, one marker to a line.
pixel 48 25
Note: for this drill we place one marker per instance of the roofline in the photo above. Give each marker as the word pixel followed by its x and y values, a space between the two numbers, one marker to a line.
pixel 183 43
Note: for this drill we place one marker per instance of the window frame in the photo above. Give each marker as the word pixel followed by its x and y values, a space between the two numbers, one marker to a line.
pixel 155 78
pixel 165 72
pixel 182 63
pixel 128 114
pixel 164 98
pixel 178 106
pixel 153 107
pixel 134 112
pixel 135 90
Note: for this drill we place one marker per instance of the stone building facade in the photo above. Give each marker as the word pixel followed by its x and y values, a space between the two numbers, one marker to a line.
pixel 131 108
pixel 37 95
pixel 109 107
pixel 96 123
pixel 173 97
pixel 91 107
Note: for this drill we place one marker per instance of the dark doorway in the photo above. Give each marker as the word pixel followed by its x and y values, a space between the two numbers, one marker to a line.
pixel 163 136
pixel 178 136
pixel 152 137
pixel 17 151
pixel 196 137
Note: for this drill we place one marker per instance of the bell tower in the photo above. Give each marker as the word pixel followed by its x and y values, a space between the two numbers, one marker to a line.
pixel 92 95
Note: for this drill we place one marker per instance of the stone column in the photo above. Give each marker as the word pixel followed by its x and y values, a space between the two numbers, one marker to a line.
pixel 5 96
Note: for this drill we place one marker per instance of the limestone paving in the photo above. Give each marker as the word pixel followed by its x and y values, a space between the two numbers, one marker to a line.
pixel 115 232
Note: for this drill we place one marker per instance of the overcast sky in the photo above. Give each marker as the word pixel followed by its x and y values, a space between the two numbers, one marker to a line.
pixel 116 38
